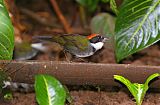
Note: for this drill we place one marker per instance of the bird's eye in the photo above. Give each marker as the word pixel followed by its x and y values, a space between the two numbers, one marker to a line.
pixel 94 40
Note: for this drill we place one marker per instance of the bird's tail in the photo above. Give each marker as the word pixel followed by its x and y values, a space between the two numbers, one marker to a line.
pixel 43 38
pixel 54 38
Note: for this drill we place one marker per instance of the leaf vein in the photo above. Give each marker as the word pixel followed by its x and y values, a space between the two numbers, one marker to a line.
pixel 6 38
pixel 141 23
pixel 137 11
pixel 49 100
pixel 4 48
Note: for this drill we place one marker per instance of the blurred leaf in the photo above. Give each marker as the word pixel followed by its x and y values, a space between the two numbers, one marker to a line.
pixel 6 34
pixel 105 1
pixel 24 51
pixel 137 90
pixel 103 23
pixel 137 26
pixel 114 6
pixel 49 91
pixel 8 96
pixel 90 4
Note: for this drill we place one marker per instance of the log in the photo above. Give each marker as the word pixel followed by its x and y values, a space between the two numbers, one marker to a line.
pixel 79 73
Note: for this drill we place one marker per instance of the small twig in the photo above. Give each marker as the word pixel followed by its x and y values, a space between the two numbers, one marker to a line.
pixel 37 18
pixel 15 18
pixel 66 26
pixel 75 13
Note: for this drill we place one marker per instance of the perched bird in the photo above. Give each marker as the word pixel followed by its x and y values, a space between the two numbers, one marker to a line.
pixel 78 45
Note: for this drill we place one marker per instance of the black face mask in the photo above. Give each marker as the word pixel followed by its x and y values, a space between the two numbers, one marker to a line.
pixel 96 39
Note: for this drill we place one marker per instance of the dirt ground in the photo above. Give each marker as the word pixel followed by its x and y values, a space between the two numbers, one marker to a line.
pixel 89 98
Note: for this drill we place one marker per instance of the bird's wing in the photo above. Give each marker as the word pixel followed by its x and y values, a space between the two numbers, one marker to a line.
pixel 67 40
pixel 81 42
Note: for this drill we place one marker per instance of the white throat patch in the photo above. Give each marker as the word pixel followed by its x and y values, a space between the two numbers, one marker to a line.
pixel 98 45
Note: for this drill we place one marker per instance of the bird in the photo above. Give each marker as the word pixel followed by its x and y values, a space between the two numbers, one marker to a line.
pixel 79 45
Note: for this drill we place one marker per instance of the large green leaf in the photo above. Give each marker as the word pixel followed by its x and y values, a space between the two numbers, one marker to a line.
pixel 136 89
pixel 6 34
pixel 137 26
pixel 113 6
pixel 49 91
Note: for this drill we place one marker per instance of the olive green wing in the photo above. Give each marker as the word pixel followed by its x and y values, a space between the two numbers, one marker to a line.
pixel 67 40
pixel 78 41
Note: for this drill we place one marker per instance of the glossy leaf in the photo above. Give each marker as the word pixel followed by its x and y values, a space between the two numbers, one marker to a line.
pixel 103 23
pixel 49 91
pixel 137 90
pixel 113 6
pixel 6 34
pixel 137 26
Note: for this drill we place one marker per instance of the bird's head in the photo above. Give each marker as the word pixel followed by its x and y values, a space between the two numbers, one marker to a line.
pixel 97 40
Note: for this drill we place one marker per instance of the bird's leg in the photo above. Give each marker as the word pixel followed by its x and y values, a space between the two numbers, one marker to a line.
pixel 57 57
pixel 65 54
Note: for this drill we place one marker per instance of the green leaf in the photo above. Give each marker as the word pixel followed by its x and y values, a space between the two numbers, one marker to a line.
pixel 8 96
pixel 90 4
pixel 113 6
pixel 105 1
pixel 103 23
pixel 137 90
pixel 49 91
pixel 137 26
pixel 68 96
pixel 6 34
